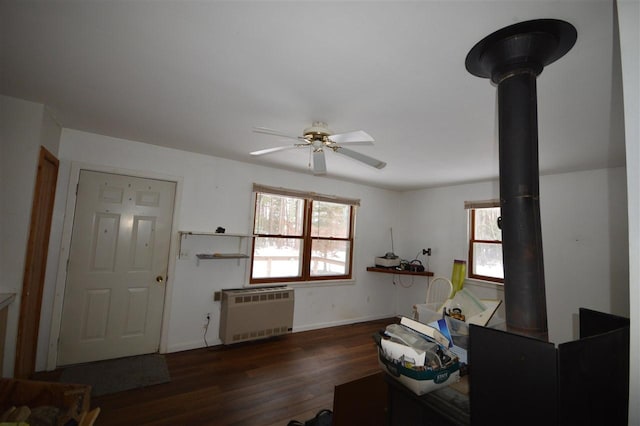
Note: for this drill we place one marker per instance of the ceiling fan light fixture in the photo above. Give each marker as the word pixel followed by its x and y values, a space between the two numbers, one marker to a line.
pixel 319 163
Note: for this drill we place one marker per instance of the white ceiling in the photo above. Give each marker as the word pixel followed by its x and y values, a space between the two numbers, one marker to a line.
pixel 198 76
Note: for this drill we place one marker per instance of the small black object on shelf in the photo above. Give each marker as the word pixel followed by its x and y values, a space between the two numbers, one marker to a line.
pixel 220 230
pixel 415 266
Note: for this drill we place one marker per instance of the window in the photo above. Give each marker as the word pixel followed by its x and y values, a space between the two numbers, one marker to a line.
pixel 301 236
pixel 485 241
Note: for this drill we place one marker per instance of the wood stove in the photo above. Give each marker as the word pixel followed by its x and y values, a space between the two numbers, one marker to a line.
pixel 517 376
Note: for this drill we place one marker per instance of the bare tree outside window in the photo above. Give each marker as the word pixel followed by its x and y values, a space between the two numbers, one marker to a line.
pixel 485 245
pixel 301 239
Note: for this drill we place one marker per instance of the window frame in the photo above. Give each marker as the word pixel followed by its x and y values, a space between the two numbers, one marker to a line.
pixel 472 207
pixel 306 239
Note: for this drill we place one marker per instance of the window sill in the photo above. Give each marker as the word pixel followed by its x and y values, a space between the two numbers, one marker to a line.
pixel 485 284
pixel 305 284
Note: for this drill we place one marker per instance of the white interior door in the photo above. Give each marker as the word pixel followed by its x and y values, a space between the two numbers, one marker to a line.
pixel 115 289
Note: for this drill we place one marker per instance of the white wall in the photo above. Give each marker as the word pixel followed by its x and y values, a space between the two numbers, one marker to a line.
pixel 215 192
pixel 436 219
pixel 24 127
pixel 629 24
pixel 584 234
pixel 585 243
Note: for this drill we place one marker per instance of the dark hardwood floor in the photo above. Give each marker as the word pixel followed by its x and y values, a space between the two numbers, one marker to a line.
pixel 260 383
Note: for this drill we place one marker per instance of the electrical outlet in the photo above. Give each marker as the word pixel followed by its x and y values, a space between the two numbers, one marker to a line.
pixel 207 319
pixel 217 295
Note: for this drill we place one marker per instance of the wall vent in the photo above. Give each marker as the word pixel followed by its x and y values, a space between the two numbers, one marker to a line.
pixel 251 314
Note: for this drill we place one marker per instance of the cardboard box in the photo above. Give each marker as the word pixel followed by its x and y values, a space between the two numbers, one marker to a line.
pixel 419 382
pixel 386 262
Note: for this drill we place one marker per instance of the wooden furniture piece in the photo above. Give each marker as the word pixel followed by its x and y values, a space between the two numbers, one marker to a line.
pixel 378 400
pixel 361 402
pixel 398 272
pixel 448 406
pixel 73 400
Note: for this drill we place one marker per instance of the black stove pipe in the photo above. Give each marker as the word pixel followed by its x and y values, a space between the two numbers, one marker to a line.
pixel 513 57
pixel 525 302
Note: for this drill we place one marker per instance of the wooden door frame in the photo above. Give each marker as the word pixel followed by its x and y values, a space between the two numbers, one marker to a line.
pixel 67 229
pixel 35 267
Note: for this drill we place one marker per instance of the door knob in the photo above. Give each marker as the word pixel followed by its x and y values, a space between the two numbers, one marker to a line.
pixel 159 279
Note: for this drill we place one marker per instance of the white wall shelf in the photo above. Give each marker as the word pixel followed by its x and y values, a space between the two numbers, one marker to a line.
pixel 242 252
pixel 206 256
pixel 214 234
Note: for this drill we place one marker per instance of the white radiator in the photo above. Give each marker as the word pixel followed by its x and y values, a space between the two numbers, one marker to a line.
pixel 250 314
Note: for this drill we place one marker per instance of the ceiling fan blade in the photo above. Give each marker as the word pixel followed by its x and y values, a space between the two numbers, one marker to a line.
pixel 319 163
pixel 361 143
pixel 270 150
pixel 356 136
pixel 273 132
pixel 361 157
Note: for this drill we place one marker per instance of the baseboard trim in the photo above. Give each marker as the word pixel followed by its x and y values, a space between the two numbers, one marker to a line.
pixel 197 344
pixel 338 323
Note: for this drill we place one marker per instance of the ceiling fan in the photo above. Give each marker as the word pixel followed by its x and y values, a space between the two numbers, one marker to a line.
pixel 318 137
